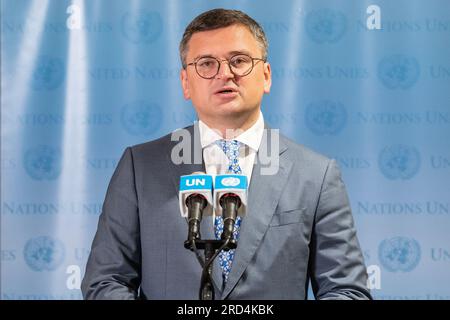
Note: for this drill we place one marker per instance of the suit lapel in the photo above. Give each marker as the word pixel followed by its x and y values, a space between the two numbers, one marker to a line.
pixel 263 196
pixel 195 164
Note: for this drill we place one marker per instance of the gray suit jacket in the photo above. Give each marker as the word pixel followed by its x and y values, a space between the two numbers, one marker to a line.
pixel 298 228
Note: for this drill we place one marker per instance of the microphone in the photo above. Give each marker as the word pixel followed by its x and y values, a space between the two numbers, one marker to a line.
pixel 230 199
pixel 195 201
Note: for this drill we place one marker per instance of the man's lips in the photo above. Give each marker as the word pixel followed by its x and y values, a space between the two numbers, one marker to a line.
pixel 226 90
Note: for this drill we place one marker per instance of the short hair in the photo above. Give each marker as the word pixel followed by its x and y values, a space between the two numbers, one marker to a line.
pixel 221 18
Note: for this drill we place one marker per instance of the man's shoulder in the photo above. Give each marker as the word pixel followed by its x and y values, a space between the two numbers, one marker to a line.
pixel 307 163
pixel 299 152
pixel 158 146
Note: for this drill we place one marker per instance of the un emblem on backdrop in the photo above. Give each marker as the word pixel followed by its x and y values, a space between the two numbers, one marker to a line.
pixel 44 253
pixel 399 254
pixel 43 163
pixel 325 117
pixel 398 71
pixel 48 74
pixel 325 25
pixel 144 27
pixel 399 162
pixel 141 118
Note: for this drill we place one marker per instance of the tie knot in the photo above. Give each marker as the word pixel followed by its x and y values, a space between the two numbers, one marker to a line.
pixel 229 147
pixel 231 150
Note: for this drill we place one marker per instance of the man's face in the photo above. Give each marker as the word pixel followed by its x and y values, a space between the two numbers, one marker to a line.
pixel 211 104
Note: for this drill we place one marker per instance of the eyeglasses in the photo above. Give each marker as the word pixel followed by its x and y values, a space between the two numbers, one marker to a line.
pixel 240 65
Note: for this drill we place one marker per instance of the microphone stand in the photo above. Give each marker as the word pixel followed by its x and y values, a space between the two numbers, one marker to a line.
pixel 212 249
pixel 230 204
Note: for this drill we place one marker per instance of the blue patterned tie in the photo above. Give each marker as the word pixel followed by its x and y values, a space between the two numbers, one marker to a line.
pixel 231 150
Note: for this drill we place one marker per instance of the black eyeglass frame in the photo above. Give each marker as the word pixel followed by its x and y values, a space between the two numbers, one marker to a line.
pixel 229 65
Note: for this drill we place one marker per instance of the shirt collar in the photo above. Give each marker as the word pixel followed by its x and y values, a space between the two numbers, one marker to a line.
pixel 251 137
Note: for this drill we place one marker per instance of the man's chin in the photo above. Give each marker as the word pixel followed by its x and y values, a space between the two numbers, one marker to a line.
pixel 228 111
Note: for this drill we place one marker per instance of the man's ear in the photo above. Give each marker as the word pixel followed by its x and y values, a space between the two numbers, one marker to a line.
pixel 267 77
pixel 185 84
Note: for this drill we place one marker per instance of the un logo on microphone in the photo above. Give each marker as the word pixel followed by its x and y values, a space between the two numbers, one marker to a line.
pixel 43 163
pixel 44 253
pixel 399 162
pixel 231 182
pixel 325 25
pixel 141 118
pixel 144 27
pixel 48 74
pixel 398 71
pixel 399 254
pixel 325 117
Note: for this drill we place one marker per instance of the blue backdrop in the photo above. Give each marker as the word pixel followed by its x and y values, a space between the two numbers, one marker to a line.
pixel 364 82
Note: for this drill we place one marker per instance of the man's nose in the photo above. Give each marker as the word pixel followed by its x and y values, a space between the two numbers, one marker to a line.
pixel 224 71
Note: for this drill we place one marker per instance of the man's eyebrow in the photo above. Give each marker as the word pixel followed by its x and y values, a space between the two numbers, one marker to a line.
pixel 229 54
pixel 203 56
pixel 232 53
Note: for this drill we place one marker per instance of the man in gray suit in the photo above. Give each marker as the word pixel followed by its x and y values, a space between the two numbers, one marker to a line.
pixel 298 227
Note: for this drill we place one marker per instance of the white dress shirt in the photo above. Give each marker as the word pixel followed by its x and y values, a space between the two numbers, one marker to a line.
pixel 216 162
